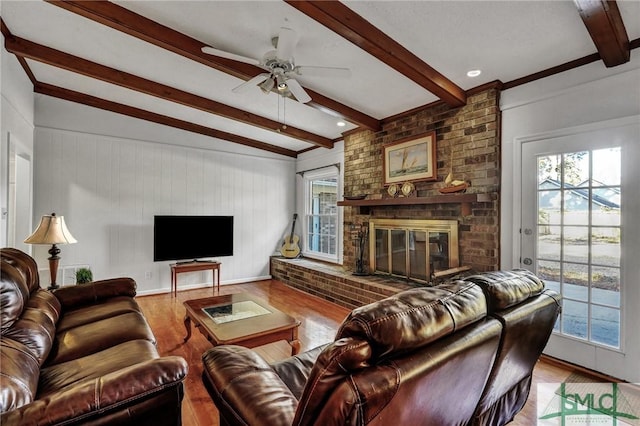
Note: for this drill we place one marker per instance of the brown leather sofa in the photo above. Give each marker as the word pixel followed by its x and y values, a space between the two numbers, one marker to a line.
pixel 80 355
pixel 456 354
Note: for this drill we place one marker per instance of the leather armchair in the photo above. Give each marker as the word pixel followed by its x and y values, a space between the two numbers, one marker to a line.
pixel 426 356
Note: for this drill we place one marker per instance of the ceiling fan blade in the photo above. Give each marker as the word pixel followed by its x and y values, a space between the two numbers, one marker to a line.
pixel 228 55
pixel 244 87
pixel 323 71
pixel 287 40
pixel 296 90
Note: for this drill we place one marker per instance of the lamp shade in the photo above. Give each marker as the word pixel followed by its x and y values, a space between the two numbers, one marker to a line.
pixel 52 230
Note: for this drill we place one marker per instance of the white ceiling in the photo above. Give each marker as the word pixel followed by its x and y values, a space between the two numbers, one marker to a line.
pixel 505 39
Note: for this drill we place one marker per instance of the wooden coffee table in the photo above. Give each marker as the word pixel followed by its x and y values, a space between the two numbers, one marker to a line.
pixel 240 319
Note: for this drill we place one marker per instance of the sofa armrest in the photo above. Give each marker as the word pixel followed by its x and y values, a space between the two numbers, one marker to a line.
pixel 245 389
pixel 89 293
pixel 113 391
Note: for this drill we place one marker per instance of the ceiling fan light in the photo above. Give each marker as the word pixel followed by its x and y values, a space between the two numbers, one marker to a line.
pixel 267 85
pixel 282 84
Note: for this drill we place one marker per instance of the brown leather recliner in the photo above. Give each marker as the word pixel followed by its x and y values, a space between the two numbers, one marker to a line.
pixel 81 355
pixel 426 356
pixel 528 314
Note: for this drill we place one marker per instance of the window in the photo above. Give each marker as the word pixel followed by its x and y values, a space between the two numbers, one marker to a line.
pixel 321 239
pixel 579 240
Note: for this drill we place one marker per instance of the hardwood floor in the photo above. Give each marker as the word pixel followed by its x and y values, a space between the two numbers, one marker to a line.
pixel 320 320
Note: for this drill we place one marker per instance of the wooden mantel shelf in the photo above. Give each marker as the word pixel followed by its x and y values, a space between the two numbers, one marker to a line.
pixel 464 200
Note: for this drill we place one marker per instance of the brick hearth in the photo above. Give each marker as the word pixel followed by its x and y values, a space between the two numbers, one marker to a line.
pixel 333 283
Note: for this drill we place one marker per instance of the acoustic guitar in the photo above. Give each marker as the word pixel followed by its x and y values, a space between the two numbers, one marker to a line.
pixel 290 248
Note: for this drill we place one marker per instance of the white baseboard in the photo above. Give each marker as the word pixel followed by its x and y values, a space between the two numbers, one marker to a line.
pixel 201 285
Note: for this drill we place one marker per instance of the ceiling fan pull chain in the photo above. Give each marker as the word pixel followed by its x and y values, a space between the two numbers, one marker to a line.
pixel 284 112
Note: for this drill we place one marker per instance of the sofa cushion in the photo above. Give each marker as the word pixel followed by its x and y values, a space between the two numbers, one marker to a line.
pixel 35 331
pixel 91 313
pixel 504 289
pixel 25 264
pixel 19 378
pixel 145 393
pixel 93 366
pixel 14 294
pixel 47 303
pixel 96 336
pixel 93 293
pixel 416 317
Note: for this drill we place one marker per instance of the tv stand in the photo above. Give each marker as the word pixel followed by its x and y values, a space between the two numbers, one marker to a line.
pixel 193 266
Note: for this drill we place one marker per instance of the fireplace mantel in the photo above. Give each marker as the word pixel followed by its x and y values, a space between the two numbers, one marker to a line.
pixel 464 200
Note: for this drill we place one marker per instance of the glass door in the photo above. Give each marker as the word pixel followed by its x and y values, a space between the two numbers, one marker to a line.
pixel 577 227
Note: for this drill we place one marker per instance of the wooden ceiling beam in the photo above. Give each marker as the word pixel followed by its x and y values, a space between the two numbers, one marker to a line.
pixel 128 22
pixel 95 102
pixel 353 27
pixel 47 55
pixel 606 28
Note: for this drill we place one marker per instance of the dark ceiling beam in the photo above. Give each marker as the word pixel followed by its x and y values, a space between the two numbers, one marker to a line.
pixel 92 101
pixel 128 22
pixel 38 52
pixel 604 23
pixel 23 62
pixel 594 57
pixel 351 26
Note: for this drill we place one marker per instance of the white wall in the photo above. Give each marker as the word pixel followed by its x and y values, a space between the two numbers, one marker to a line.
pixel 109 175
pixel 16 125
pixel 589 94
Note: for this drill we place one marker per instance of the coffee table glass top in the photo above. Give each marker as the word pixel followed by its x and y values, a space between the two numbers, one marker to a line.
pixel 240 319
pixel 234 311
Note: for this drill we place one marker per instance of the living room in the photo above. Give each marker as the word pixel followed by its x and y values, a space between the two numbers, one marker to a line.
pixel 109 174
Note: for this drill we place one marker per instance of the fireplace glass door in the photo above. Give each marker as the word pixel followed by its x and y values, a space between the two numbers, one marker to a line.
pixel 413 249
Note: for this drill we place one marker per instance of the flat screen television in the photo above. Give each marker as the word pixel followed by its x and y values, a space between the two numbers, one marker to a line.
pixel 192 237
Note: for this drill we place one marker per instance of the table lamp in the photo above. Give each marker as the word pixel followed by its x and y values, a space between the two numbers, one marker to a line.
pixel 52 230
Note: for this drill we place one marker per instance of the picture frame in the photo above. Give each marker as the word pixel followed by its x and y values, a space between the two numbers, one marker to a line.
pixel 410 159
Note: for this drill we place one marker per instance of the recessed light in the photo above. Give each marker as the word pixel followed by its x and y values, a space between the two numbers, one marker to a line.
pixel 473 73
pixel 341 124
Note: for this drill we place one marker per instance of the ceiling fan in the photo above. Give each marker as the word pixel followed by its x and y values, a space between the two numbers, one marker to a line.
pixel 281 68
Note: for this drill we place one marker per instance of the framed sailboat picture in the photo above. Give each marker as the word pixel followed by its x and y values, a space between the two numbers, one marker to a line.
pixel 410 159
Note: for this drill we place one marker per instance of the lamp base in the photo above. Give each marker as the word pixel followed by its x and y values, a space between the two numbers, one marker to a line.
pixel 54 251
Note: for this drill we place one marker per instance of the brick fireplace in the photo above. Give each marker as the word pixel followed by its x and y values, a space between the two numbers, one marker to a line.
pixel 467 146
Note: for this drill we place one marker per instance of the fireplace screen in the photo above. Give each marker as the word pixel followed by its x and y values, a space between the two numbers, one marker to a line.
pixel 414 249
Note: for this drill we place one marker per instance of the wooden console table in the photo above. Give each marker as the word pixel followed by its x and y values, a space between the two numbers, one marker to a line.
pixel 178 268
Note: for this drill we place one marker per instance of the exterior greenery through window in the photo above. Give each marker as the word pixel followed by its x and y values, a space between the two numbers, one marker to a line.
pixel 321 215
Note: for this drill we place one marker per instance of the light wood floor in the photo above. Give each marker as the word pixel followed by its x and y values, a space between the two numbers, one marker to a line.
pixel 320 320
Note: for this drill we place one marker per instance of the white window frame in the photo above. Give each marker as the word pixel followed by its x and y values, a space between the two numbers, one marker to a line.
pixel 308 178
